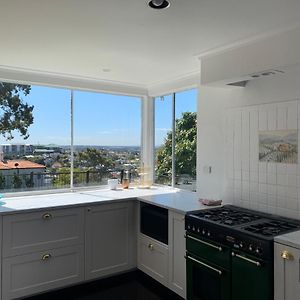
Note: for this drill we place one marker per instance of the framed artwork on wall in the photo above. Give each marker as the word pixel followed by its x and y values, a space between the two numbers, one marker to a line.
pixel 279 146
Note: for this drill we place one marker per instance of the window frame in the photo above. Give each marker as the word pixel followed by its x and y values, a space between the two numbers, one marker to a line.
pixel 71 187
pixel 173 129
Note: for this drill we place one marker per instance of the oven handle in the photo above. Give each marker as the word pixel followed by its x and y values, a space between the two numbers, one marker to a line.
pixel 203 242
pixel 203 264
pixel 257 263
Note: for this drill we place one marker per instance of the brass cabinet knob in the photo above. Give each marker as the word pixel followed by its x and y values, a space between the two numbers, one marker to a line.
pixel 151 247
pixel 287 255
pixel 47 216
pixel 46 257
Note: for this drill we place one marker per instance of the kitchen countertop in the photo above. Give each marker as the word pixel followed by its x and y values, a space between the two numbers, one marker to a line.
pixel 173 199
pixel 290 239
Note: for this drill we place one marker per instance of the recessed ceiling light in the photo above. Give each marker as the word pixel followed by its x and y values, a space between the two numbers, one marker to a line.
pixel 106 70
pixel 159 4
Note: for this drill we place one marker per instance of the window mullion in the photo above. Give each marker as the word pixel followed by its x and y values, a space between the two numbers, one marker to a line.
pixel 173 140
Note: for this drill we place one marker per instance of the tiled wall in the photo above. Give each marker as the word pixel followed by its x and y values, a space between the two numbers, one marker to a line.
pixel 268 187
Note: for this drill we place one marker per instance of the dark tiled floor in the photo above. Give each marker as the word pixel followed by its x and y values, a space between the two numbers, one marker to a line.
pixel 130 286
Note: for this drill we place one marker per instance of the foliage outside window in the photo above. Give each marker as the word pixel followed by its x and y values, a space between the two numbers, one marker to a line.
pixel 185 146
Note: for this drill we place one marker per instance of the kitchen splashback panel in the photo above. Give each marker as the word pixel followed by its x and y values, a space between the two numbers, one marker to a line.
pixel 265 186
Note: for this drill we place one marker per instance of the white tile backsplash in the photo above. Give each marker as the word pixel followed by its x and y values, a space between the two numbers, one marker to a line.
pixel 271 178
pixel 268 187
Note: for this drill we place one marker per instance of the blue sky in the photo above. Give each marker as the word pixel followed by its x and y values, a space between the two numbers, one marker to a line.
pixel 99 119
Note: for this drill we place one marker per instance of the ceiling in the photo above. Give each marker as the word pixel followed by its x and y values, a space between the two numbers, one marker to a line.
pixel 136 44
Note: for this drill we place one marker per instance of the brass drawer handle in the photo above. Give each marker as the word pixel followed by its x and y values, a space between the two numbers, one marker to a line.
pixel 287 255
pixel 46 257
pixel 151 247
pixel 47 216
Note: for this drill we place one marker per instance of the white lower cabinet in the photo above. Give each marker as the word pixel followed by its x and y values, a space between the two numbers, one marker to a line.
pixel 110 239
pixel 45 250
pixel 153 258
pixel 37 231
pixel 33 273
pixel 177 265
pixel 166 263
pixel 286 272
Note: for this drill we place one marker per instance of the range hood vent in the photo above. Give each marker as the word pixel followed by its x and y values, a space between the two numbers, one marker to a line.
pixel 266 73
pixel 242 82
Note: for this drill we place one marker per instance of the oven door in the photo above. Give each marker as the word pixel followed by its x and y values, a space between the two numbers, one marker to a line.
pixel 251 278
pixel 206 281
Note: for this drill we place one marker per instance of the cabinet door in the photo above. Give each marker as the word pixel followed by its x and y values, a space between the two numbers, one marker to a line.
pixel 37 272
pixel 109 246
pixel 153 258
pixel 286 272
pixel 46 229
pixel 251 278
pixel 177 265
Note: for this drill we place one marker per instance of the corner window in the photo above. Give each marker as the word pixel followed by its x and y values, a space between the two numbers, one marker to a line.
pixel 175 116
pixel 36 152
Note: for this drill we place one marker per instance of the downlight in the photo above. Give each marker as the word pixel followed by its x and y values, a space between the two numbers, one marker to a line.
pixel 159 4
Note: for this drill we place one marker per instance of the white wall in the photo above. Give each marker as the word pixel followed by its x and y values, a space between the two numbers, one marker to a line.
pixel 274 97
pixel 278 51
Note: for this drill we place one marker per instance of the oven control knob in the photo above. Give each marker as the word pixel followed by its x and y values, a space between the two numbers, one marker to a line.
pixel 194 228
pixel 203 231
pixel 208 233
pixel 251 247
pixel 258 250
pixel 198 230
pixel 242 245
pixel 189 226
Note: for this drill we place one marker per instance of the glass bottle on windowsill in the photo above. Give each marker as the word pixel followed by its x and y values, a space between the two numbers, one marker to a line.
pixel 125 179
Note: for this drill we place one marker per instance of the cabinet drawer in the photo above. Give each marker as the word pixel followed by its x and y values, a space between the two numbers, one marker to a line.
pixel 38 272
pixel 31 232
pixel 153 259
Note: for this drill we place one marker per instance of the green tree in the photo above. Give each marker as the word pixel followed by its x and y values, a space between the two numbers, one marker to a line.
pixel 94 159
pixel 185 150
pixel 14 113
pixel 2 181
pixel 62 177
pixel 17 181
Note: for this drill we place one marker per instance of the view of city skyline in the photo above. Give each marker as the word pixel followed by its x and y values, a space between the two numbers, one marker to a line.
pixel 99 119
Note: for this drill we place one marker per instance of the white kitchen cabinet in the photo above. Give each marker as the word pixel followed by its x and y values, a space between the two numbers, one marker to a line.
pixel 37 272
pixel 153 258
pixel 47 229
pixel 286 272
pixel 177 265
pixel 110 239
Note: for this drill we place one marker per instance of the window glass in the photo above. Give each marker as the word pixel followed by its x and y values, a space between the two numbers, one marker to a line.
pixel 186 139
pixel 35 138
pixel 107 138
pixel 163 140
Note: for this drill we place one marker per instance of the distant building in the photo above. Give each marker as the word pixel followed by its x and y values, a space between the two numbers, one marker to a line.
pixel 29 173
pixel 16 149
pixel 43 151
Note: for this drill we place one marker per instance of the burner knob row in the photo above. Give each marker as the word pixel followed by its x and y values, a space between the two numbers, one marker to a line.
pixel 198 230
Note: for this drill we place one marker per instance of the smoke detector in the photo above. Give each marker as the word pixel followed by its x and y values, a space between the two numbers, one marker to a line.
pixel 159 4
